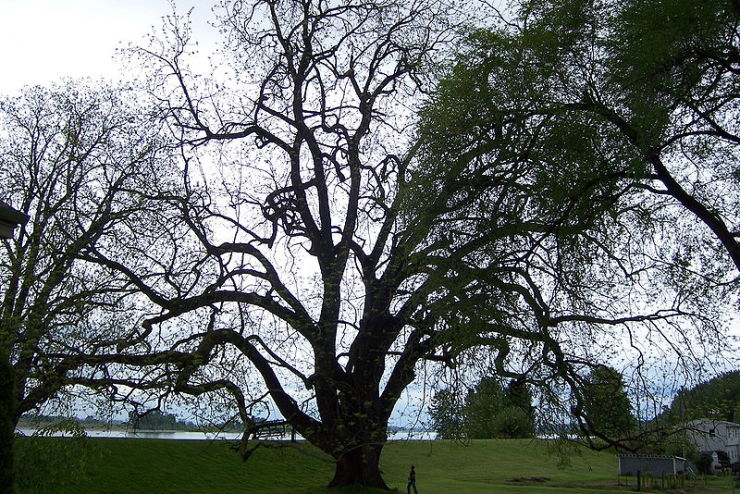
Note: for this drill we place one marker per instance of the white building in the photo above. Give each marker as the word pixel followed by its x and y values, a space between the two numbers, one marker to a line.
pixel 716 435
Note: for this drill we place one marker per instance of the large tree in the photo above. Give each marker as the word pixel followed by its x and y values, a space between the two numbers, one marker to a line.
pixel 546 99
pixel 68 159
pixel 494 411
pixel 446 414
pixel 321 247
pixel 486 411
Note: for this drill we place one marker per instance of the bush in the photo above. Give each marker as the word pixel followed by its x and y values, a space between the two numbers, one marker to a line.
pixel 512 422
pixel 44 462
pixel 704 463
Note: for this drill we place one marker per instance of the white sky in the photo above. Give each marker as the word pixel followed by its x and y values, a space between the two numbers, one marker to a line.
pixel 42 41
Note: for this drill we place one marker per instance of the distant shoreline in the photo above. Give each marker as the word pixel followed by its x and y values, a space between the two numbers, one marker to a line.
pixel 124 432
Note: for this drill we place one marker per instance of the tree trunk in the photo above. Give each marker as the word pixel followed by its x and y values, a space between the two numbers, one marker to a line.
pixel 359 466
pixel 7 426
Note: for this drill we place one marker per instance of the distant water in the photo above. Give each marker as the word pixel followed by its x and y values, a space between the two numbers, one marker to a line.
pixel 211 436
pixel 144 434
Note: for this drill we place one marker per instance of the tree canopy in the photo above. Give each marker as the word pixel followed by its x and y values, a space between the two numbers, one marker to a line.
pixel 607 408
pixel 642 93
pixel 606 163
pixel 487 411
pixel 332 217
pixel 493 411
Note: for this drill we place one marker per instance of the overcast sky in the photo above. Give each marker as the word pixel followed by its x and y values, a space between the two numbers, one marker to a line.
pixel 42 41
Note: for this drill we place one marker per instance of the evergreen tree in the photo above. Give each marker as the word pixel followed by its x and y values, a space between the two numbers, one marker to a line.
pixel 606 406
pixel 446 415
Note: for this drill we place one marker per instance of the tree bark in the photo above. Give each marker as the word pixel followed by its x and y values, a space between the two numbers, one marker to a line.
pixel 360 466
pixel 7 426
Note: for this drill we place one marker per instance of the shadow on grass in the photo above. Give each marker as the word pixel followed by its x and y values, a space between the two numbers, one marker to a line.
pixel 354 489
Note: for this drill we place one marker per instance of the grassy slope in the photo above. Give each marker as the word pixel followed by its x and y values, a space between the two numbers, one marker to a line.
pixel 450 467
pixel 133 466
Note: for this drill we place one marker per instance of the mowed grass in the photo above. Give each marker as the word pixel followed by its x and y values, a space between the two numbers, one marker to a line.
pixel 147 466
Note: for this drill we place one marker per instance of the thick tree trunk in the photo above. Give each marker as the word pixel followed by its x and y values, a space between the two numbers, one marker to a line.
pixel 360 466
pixel 7 426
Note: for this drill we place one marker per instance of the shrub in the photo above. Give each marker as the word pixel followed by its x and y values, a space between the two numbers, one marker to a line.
pixel 44 462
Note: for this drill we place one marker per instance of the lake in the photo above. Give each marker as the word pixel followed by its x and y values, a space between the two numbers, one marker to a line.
pixel 212 436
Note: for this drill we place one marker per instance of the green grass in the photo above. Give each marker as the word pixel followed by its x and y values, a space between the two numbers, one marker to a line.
pixel 146 466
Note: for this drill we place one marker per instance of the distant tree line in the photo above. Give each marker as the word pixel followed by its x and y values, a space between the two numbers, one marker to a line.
pixel 158 420
pixel 32 419
pixel 153 420
pixel 497 409
pixel 717 399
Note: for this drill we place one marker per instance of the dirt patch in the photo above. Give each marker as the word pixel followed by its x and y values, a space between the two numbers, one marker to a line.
pixel 530 479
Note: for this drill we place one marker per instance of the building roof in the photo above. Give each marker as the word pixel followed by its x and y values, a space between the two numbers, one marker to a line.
pixel 9 219
pixel 651 457
pixel 712 421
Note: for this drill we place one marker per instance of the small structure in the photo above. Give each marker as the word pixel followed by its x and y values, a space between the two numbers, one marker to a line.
pixel 9 219
pixel 657 466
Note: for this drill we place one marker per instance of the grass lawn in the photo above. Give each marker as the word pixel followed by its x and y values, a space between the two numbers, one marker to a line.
pixel 148 466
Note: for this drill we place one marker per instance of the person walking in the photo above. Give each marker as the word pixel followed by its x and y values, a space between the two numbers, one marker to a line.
pixel 412 481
